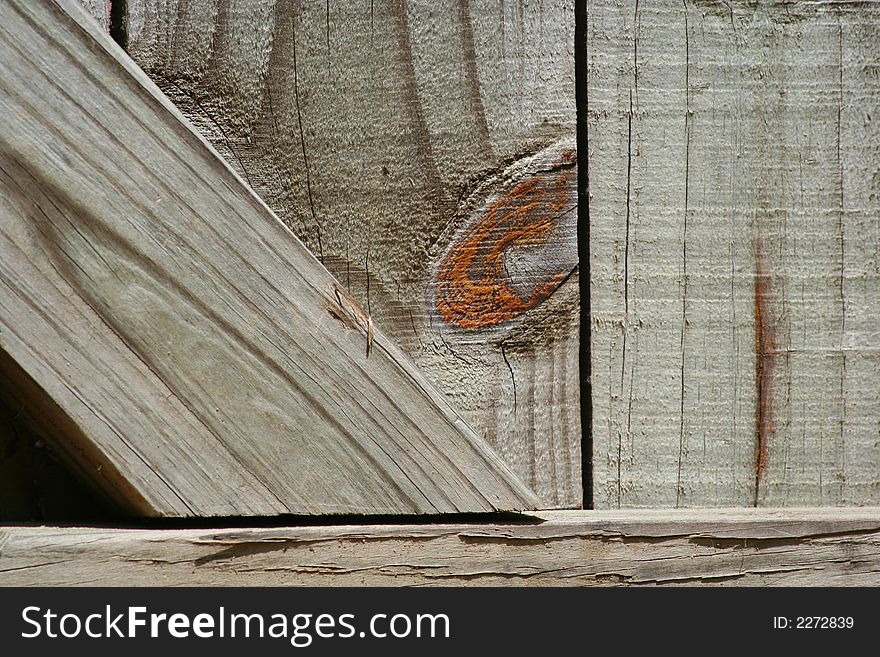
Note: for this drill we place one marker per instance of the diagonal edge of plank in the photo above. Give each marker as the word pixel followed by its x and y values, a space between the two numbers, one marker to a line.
pixel 191 355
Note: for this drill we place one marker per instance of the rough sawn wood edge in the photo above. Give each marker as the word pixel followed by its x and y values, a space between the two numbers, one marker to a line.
pixel 733 547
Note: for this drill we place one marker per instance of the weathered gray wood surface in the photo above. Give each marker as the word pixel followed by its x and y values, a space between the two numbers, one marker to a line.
pixel 99 10
pixel 163 326
pixel 735 216
pixel 832 547
pixel 424 151
pixel 34 482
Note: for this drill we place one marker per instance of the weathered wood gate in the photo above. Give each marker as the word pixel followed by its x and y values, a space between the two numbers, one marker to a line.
pixel 717 164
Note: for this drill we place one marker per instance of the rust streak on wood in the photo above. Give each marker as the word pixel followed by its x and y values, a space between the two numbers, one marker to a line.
pixel 765 348
pixel 473 288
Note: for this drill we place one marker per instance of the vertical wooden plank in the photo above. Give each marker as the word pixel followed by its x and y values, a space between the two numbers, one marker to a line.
pixel 858 160
pixel 800 293
pixel 391 136
pixel 638 157
pixel 733 191
pixel 715 300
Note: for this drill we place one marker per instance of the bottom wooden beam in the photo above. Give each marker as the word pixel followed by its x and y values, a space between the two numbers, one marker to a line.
pixel 825 547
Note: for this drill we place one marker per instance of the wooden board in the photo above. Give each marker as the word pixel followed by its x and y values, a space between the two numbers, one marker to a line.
pixel 734 176
pixel 424 151
pixel 171 334
pixel 803 547
pixel 99 10
pixel 34 483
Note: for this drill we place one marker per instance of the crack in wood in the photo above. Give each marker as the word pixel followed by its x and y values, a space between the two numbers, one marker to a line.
pixel 679 491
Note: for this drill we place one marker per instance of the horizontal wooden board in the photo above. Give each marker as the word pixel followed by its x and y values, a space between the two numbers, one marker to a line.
pixel 171 335
pixel 796 547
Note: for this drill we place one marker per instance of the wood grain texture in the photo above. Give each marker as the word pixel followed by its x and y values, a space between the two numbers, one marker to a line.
pixel 424 151
pixel 734 203
pixel 171 334
pixel 99 10
pixel 804 547
pixel 34 483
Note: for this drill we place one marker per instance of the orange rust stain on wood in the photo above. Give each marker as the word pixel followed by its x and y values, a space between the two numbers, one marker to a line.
pixel 472 287
pixel 765 349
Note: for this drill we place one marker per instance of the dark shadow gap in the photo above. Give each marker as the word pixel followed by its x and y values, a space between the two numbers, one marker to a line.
pixel 294 521
pixel 580 77
pixel 37 485
pixel 118 23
